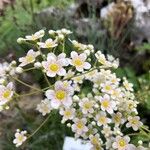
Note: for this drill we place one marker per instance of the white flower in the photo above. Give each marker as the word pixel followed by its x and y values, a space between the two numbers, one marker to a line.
pixel 35 36
pixel 127 85
pixel 117 119
pixel 78 45
pixel 29 58
pixel 49 43
pixel 69 74
pixel 95 140
pixel 107 104
pixel 44 107
pixel 121 143
pixel 65 31
pixel 79 126
pixel 20 137
pixel 91 75
pixel 61 95
pixel 102 119
pixel 79 61
pixel 116 93
pixel 54 64
pixel 102 59
pixel 78 79
pixel 67 113
pixel 3 69
pixel 107 87
pixel 114 80
pixel 86 105
pixel 6 93
pixel 134 122
pixel 107 131
pixel 130 106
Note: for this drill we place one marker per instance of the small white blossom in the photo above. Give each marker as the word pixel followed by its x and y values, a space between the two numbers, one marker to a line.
pixel 127 85
pixel 118 119
pixel 49 43
pixel 107 104
pixel 68 114
pixel 29 58
pixel 61 95
pixel 79 126
pixel 54 64
pixel 44 107
pixel 35 36
pixel 6 93
pixel 20 137
pixel 134 122
pixel 86 105
pixel 107 131
pixel 121 143
pixel 79 61
pixel 102 119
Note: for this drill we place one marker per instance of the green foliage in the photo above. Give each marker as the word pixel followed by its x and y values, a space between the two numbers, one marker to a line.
pixel 19 20
pixel 143 47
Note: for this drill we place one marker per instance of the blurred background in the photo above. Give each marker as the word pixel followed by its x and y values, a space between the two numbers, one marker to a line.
pixel 117 27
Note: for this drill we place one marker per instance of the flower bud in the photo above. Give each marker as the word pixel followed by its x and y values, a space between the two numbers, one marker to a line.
pixel 19 70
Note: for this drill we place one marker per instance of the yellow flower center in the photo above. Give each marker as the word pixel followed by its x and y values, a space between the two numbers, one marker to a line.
pixel 102 61
pixel 54 67
pixel 130 106
pixel 20 138
pixel 105 103
pixel 87 105
pixel 108 87
pixel 48 44
pixel 122 143
pixel 29 58
pixel 67 113
pixel 80 125
pixel 60 95
pixel 94 141
pixel 117 118
pixel 78 62
pixel 33 37
pixel 102 120
pixel 133 121
pixel 126 85
pixel 6 94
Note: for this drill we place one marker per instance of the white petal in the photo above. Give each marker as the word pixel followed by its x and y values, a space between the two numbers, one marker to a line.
pixel 62 55
pixel 83 56
pixel 31 52
pixel 80 69
pixel 51 74
pixel 87 65
pixel 49 94
pixel 62 72
pixel 74 54
pixel 55 104
pixel 51 57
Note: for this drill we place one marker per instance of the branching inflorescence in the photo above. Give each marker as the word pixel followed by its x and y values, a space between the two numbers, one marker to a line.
pixel 92 100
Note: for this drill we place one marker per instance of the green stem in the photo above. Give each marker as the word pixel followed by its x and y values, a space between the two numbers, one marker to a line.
pixel 43 72
pixel 27 85
pixel 31 93
pixel 25 70
pixel 63 46
pixel 39 127
pixel 145 129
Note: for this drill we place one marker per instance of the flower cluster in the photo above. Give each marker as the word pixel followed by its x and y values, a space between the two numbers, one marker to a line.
pixel 6 85
pixel 83 88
